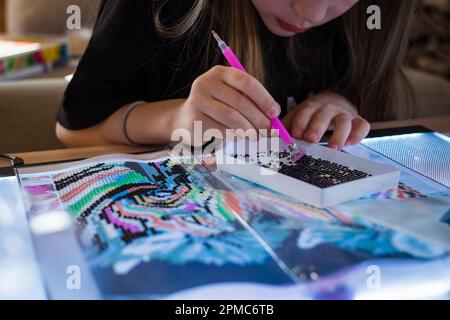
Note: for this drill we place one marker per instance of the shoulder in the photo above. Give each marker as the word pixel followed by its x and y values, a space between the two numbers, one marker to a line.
pixel 114 14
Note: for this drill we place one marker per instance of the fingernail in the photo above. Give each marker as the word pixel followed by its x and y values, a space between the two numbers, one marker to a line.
pixel 312 137
pixel 298 133
pixel 333 146
pixel 275 112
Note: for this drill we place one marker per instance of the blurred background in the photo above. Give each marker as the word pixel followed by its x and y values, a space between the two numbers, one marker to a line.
pixel 38 54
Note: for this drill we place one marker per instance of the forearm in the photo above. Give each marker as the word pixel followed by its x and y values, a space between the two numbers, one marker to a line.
pixel 150 123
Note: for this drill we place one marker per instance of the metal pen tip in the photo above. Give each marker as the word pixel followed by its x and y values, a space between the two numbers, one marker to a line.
pixel 216 36
pixel 292 147
pixel 296 152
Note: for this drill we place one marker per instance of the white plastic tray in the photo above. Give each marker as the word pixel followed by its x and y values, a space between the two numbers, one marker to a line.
pixel 381 177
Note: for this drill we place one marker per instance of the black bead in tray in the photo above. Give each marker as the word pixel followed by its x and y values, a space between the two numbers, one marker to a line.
pixel 320 173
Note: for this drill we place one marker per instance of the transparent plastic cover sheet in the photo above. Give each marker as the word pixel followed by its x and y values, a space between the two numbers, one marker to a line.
pixel 427 154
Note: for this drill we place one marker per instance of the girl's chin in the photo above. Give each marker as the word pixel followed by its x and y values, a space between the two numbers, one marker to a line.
pixel 283 33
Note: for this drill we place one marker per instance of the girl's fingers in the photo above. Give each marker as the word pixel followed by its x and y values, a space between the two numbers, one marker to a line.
pixel 252 88
pixel 206 135
pixel 319 124
pixel 360 129
pixel 301 120
pixel 226 115
pixel 342 128
pixel 209 123
pixel 242 104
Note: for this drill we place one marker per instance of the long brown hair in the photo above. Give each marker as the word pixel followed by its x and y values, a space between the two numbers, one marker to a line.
pixel 367 69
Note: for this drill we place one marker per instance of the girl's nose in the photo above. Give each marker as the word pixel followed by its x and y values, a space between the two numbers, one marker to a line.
pixel 312 11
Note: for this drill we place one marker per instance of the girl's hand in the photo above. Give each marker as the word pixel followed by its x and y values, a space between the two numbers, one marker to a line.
pixel 226 98
pixel 327 111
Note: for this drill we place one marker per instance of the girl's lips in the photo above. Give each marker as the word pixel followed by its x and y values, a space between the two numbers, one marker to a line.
pixel 289 27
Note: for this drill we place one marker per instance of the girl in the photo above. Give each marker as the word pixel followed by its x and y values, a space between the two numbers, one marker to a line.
pixel 151 68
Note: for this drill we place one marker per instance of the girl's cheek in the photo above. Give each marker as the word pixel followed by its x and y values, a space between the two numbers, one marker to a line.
pixel 340 8
pixel 271 7
pixel 269 10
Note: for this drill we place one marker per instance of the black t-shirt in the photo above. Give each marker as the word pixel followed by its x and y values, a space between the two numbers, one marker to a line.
pixel 127 61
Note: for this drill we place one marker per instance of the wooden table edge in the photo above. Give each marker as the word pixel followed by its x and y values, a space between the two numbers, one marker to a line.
pixel 439 124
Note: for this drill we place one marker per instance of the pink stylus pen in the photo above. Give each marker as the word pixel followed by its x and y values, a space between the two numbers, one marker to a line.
pixel 235 63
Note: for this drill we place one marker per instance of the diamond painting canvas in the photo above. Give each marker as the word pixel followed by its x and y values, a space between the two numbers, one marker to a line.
pixel 154 227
